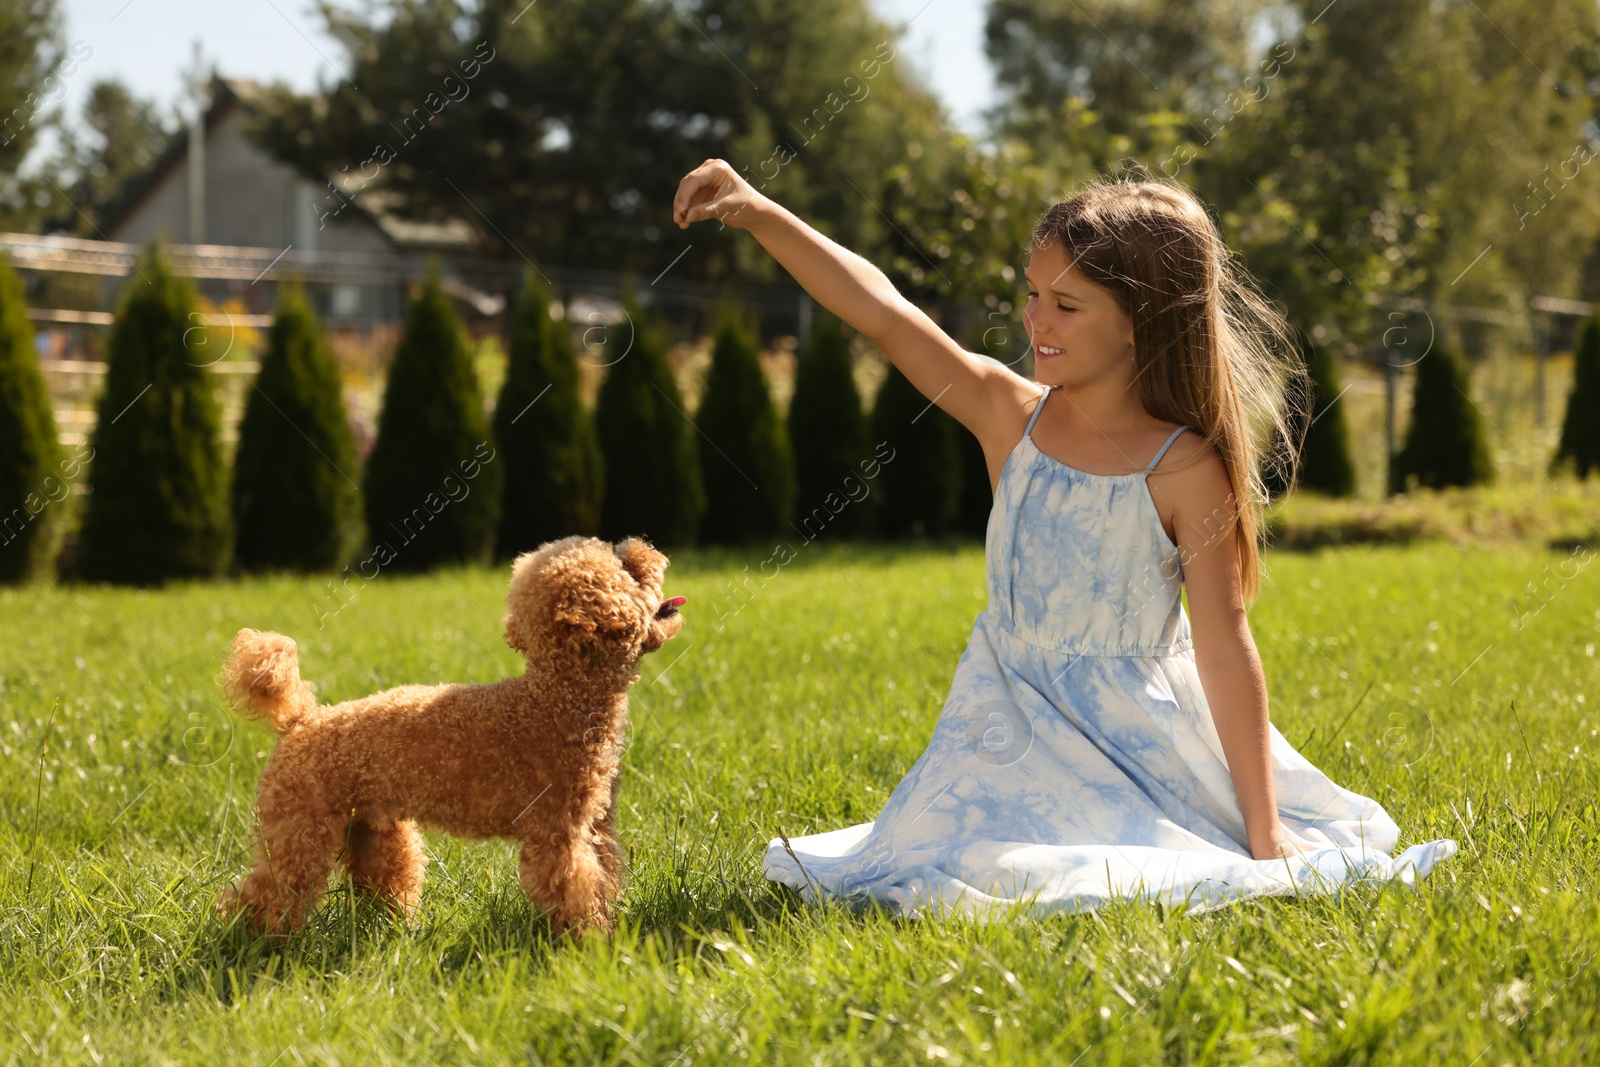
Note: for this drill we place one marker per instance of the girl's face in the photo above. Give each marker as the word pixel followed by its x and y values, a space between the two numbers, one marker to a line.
pixel 1078 332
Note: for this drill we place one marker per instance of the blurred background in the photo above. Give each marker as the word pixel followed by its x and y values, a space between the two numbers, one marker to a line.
pixel 488 186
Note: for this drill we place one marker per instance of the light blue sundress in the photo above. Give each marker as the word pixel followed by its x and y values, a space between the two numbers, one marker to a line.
pixel 1076 759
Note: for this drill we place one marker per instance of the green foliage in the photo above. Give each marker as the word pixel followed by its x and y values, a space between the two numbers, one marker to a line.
pixel 1512 513
pixel 432 483
pixel 613 72
pixel 1325 439
pixel 1580 429
pixel 1055 60
pixel 1383 147
pixel 962 218
pixel 33 63
pixel 158 502
pixel 1446 442
pixel 920 491
pixel 746 463
pixel 32 491
pixel 829 432
pixel 554 480
pixel 653 486
pixel 1325 460
pixel 296 505
pixel 126 135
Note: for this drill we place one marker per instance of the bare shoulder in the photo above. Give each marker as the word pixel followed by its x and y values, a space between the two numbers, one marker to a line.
pixel 1193 483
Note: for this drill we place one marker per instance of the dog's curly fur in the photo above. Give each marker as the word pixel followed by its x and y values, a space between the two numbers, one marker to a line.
pixel 532 758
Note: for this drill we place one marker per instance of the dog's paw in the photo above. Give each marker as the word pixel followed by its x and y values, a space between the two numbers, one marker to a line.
pixel 597 923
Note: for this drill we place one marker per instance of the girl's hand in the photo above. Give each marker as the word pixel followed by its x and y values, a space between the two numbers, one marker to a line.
pixel 714 190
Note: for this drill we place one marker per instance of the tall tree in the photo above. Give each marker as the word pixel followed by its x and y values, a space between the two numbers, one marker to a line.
pixel 1320 432
pixel 1580 428
pixel 918 493
pixel 1326 463
pixel 652 459
pixel 32 488
pixel 519 109
pixel 746 464
pixel 653 485
pixel 296 504
pixel 34 66
pixel 1112 75
pixel 1410 149
pixel 432 483
pixel 118 136
pixel 1446 442
pixel 158 500
pixel 554 477
pixel 829 431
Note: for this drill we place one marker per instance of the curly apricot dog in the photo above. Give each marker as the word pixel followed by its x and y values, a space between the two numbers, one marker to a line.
pixel 532 758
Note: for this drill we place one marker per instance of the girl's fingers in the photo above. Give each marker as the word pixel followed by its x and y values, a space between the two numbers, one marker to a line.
pixel 691 184
pixel 710 210
pixel 705 182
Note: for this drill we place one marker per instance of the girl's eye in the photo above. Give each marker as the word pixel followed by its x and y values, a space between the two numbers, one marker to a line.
pixel 1032 295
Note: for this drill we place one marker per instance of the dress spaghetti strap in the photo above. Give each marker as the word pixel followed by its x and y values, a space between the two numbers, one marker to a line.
pixel 1037 407
pixel 1164 447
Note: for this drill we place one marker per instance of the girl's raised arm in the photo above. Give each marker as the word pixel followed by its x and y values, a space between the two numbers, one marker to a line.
pixel 974 390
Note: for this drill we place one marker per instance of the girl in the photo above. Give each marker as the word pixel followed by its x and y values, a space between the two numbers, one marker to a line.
pixel 1090 746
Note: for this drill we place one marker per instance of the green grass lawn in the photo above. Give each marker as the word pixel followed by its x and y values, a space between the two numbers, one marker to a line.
pixel 1429 677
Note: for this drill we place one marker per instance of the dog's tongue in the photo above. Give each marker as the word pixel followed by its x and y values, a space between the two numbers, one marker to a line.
pixel 675 602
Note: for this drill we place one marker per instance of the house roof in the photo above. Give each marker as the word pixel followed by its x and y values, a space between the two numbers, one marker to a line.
pixel 377 204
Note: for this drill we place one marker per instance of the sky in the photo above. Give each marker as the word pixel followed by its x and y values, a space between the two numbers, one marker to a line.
pixel 149 44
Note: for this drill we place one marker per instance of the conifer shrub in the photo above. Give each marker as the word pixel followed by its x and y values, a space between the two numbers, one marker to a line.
pixel 158 500
pixel 920 491
pixel 653 487
pixel 828 432
pixel 1580 429
pixel 746 464
pixel 296 501
pixel 33 489
pixel 1326 465
pixel 1446 443
pixel 1321 431
pixel 554 478
pixel 432 483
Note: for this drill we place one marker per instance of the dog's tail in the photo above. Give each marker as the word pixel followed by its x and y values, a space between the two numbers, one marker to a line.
pixel 262 679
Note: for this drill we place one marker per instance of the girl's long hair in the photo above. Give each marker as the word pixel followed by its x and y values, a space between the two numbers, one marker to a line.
pixel 1210 349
